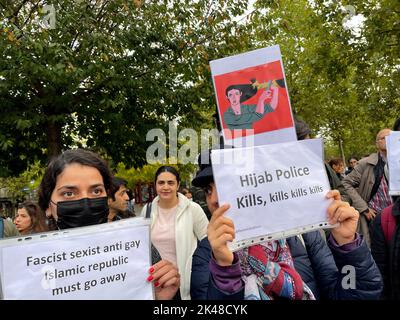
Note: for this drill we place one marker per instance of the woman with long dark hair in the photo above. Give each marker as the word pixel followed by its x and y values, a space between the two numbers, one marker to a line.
pixel 30 219
pixel 73 193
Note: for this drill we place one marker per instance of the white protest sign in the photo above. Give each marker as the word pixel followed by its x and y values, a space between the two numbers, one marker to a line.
pixel 274 190
pixel 393 157
pixel 252 98
pixel 108 261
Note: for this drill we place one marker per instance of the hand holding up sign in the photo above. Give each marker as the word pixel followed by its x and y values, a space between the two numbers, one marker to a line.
pixel 166 279
pixel 347 217
pixel 221 230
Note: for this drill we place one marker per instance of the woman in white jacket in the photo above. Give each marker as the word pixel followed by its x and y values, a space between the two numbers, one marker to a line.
pixel 177 224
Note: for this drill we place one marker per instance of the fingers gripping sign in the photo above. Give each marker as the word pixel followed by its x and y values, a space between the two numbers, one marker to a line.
pixel 221 230
pixel 346 216
pixel 166 279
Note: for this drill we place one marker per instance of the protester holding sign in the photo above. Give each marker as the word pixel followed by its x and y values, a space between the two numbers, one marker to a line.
pixel 73 193
pixel 177 224
pixel 286 268
pixel 385 243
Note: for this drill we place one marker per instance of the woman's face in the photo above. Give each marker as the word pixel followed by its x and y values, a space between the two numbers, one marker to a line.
pixel 167 186
pixel 76 182
pixel 353 162
pixel 23 221
pixel 234 97
pixel 338 168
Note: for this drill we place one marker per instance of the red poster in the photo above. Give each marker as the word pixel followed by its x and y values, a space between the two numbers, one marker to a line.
pixel 254 98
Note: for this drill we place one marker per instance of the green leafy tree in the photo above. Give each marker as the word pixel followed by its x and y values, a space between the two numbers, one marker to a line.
pixel 344 83
pixel 25 185
pixel 100 74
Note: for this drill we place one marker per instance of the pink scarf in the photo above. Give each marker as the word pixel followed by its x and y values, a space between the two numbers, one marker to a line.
pixel 268 273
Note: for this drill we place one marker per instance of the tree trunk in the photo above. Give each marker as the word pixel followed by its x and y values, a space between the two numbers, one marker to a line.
pixel 342 152
pixel 53 139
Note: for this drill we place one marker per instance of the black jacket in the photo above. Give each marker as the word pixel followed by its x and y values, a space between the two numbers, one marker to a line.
pixel 387 254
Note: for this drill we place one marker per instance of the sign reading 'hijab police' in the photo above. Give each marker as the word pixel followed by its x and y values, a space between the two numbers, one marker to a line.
pixel 273 190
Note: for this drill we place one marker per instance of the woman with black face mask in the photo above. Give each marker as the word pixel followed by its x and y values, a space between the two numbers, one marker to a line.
pixel 73 193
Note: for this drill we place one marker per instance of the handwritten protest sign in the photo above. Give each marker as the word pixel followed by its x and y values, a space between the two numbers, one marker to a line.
pixel 108 261
pixel 252 98
pixel 393 156
pixel 274 190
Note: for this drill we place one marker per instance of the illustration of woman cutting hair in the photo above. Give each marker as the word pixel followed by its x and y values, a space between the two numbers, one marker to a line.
pixel 242 116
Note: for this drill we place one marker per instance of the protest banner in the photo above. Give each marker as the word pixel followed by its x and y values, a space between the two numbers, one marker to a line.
pixel 107 261
pixel 393 157
pixel 252 98
pixel 274 190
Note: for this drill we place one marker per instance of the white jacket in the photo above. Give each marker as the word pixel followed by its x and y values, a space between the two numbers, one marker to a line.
pixel 190 225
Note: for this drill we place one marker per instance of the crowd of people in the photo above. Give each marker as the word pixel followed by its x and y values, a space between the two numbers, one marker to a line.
pixel 190 254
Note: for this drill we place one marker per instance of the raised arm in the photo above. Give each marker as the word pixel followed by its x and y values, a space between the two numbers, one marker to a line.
pixel 272 95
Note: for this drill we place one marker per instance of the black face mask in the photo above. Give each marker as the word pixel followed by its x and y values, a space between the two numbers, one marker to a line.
pixel 82 212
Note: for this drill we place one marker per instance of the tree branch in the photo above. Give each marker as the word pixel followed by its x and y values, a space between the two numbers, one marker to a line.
pixel 30 14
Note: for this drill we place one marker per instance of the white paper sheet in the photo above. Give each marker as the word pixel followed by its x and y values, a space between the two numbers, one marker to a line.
pixel 108 261
pixel 393 156
pixel 274 190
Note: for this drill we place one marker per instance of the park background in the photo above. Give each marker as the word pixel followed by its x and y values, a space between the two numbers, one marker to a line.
pixel 100 74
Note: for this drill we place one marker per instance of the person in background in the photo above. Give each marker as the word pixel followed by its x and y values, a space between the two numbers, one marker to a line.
pixel 118 199
pixel 303 132
pixel 30 219
pixel 73 193
pixel 131 203
pixel 337 166
pixel 7 228
pixel 177 224
pixel 385 244
pixel 200 199
pixel 353 161
pixel 186 193
pixel 367 185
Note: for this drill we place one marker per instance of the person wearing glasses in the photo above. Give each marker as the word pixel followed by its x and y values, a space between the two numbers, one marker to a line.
pixel 385 244
pixel 367 185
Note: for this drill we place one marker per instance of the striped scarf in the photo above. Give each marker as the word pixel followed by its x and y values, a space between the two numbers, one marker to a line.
pixel 268 273
pixel 381 199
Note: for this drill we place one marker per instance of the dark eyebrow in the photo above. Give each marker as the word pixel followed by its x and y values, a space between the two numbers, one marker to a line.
pixel 67 187
pixel 165 181
pixel 71 187
pixel 97 185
